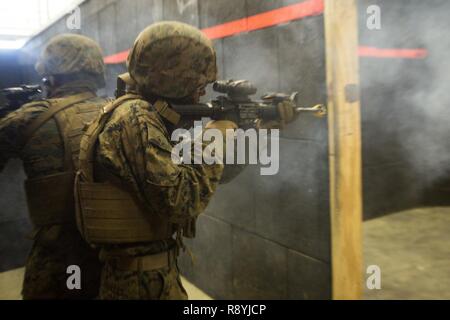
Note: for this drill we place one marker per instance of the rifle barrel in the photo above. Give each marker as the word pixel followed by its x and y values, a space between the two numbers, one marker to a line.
pixel 318 110
pixel 194 110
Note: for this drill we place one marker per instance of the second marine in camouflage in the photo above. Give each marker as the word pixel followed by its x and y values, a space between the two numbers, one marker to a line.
pixel 45 135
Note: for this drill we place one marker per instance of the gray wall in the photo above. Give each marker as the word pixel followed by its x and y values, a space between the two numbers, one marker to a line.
pixel 261 237
pixel 15 226
pixel 405 108
pixel 269 237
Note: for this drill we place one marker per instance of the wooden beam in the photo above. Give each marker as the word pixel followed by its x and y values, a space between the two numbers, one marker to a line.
pixel 341 38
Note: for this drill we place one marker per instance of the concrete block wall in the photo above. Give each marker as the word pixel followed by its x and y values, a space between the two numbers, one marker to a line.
pixel 268 237
pixel 15 227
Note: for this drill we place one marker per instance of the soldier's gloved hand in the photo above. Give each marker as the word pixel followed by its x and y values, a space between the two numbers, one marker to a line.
pixel 286 110
pixel 222 125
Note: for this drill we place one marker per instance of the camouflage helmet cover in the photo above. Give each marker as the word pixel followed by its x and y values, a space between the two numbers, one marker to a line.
pixel 172 59
pixel 70 53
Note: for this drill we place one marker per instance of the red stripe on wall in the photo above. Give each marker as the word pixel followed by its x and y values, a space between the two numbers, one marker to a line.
pixel 263 20
pixel 283 15
pixel 227 29
pixel 392 53
pixel 267 19
pixel 117 58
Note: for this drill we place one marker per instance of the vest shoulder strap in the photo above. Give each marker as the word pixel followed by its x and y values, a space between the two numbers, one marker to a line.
pixel 71 123
pixel 89 140
pixel 55 107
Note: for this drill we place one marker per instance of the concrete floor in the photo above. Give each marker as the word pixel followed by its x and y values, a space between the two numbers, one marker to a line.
pixel 11 284
pixel 412 249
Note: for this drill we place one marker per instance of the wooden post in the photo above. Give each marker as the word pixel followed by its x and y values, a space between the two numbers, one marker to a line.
pixel 341 39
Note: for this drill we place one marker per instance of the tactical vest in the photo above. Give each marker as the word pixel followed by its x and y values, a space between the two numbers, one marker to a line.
pixel 50 198
pixel 107 212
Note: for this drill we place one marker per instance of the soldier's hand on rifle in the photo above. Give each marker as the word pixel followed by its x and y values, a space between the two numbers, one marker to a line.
pixel 222 125
pixel 286 111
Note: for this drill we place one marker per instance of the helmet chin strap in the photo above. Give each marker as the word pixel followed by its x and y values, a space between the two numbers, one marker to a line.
pixel 48 84
pixel 124 84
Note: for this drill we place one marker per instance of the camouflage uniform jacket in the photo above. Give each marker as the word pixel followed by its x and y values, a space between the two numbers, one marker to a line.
pixel 135 147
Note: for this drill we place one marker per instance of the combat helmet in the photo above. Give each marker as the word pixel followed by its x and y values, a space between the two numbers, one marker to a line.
pixel 172 59
pixel 68 54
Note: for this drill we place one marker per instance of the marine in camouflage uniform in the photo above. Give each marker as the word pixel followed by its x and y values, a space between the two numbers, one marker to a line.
pixel 126 157
pixel 47 141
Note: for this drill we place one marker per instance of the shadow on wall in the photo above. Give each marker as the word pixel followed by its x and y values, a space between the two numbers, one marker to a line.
pixel 15 226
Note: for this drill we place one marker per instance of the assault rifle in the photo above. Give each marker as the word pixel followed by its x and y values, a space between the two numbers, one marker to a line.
pixel 236 104
pixel 13 98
